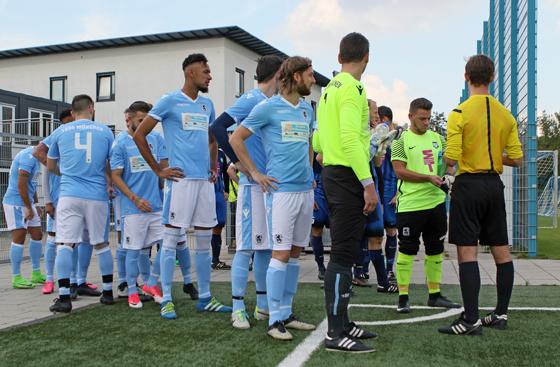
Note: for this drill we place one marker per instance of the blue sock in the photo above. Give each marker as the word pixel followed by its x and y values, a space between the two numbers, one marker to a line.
pixel 74 272
pixel 50 255
pixel 16 256
pixel 144 265
pixel 132 270
pixel 261 260
pixel 63 264
pixel 203 260
pixel 239 278
pixel 378 261
pixel 84 258
pixel 390 251
pixel 290 288
pixel 318 251
pixel 216 248
pixel 35 253
pixel 184 257
pixel 121 264
pixel 168 252
pixel 275 284
pixel 154 274
pixel 105 259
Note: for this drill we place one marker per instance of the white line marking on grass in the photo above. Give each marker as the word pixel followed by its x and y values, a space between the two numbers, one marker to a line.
pixel 303 351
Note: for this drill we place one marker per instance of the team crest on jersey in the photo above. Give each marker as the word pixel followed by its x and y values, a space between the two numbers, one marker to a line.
pixel 304 114
pixel 127 239
pixel 204 108
pixel 278 238
pixel 435 144
pixel 258 239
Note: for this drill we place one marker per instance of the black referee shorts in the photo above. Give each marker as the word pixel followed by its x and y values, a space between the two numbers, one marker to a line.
pixel 431 224
pixel 478 211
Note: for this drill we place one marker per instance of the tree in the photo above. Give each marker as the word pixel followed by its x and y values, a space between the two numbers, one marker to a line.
pixel 549 125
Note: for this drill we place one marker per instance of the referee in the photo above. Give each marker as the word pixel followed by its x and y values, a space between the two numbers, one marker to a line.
pixel 482 138
pixel 343 139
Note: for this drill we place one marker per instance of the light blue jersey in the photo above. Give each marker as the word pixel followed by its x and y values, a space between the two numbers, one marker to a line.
pixel 285 130
pixel 54 180
pixel 24 161
pixel 82 148
pixel 185 129
pixel 239 112
pixel 136 173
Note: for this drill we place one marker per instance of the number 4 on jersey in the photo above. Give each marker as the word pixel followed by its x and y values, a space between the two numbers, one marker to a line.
pixel 87 146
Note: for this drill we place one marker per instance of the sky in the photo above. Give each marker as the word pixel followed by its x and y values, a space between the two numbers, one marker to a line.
pixel 417 48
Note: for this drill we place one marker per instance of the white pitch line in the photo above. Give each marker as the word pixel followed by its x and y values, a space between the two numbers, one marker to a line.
pixel 303 351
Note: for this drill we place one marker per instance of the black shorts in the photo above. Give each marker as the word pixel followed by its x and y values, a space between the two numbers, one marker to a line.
pixel 431 224
pixel 478 211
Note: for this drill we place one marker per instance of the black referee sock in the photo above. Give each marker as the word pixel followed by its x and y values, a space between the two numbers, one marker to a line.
pixel 338 282
pixel 504 285
pixel 469 277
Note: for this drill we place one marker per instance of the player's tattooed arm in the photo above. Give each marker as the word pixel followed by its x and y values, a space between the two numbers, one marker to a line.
pixel 142 131
pixel 237 142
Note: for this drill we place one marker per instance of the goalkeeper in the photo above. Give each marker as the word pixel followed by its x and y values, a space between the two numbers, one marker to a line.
pixel 417 158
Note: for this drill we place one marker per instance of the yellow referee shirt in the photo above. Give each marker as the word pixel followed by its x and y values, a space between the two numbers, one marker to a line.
pixel 479 130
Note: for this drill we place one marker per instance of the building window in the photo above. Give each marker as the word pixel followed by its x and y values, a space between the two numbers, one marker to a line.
pixel 240 82
pixel 7 116
pixel 39 123
pixel 58 88
pixel 106 86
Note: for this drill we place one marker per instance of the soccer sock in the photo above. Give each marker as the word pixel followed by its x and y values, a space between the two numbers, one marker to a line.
pixel 203 262
pixel 184 257
pixel 144 264
pixel 35 253
pixel 504 285
pixel 74 271
pixel 16 256
pixel 318 251
pixel 433 269
pixel 121 264
pixel 132 257
pixel 50 255
pixel 63 264
pixel 261 260
pixel 404 272
pixel 154 274
pixel 390 251
pixel 171 237
pixel 290 288
pixel 378 261
pixel 338 283
pixel 216 247
pixel 275 284
pixel 469 277
pixel 105 259
pixel 239 278
pixel 85 250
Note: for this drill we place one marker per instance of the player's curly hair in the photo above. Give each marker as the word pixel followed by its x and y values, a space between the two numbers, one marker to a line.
pixel 291 66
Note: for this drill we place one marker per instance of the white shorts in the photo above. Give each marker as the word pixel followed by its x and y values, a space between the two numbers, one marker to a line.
pixel 75 215
pixel 289 217
pixel 250 219
pixel 141 230
pixel 51 223
pixel 117 213
pixel 189 203
pixel 15 217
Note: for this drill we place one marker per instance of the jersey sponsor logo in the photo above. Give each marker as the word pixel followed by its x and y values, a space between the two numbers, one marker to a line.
pixel 294 131
pixel 429 159
pixel 138 164
pixel 360 89
pixel 246 212
pixel 195 121
pixel 410 148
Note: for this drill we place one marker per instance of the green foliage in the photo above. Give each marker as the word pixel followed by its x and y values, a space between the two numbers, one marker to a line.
pixel 549 126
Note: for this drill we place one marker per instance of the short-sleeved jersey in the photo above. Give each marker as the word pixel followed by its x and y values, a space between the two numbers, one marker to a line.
pixel 185 128
pixel 478 132
pixel 422 154
pixel 82 149
pixel 239 112
pixel 136 173
pixel 343 126
pixel 54 180
pixel 24 161
pixel 285 130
